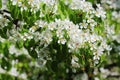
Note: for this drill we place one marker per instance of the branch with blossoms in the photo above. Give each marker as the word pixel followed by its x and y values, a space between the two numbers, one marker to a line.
pixel 58 39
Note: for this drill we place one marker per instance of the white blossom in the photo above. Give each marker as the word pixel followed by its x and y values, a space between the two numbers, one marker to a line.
pixel 74 61
pixel 100 12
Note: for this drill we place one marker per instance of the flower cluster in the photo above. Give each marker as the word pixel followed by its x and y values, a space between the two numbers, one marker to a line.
pixel 90 12
pixel 68 33
pixel 3 21
pixel 116 16
pixel 24 5
pixel 32 5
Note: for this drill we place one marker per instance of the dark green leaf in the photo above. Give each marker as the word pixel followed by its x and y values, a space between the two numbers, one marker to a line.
pixel 6 65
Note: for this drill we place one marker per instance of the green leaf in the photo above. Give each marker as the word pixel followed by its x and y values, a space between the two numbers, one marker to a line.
pixel 1 47
pixel 0 3
pixel 19 44
pixel 6 51
pixel 33 54
pixel 6 65
pixel 6 77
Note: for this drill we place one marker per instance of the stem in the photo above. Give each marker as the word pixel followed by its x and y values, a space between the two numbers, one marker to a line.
pixel 89 70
